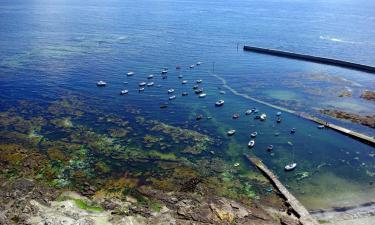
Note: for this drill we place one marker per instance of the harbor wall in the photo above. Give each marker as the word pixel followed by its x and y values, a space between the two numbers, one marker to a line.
pixel 310 58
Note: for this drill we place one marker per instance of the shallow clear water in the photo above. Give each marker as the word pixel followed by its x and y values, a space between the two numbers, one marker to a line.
pixel 48 49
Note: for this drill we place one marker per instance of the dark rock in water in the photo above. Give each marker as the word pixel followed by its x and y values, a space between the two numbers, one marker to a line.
pixel 368 95
pixel 368 120
pixel 109 205
pixel 190 185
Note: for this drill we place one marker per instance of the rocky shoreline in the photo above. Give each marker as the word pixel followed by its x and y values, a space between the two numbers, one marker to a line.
pixel 355 118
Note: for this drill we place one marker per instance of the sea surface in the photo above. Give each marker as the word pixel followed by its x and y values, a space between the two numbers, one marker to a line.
pixel 52 49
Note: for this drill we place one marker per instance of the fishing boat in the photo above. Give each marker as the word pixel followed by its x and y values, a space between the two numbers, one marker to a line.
pixel 170 91
pixel 150 84
pixel 191 66
pixel 184 93
pixel 184 82
pixel 236 165
pixel 150 76
pixel 130 74
pixel 248 112
pixel 222 92
pixel 236 116
pixel 202 95
pixel 195 87
pixel 198 91
pixel 293 130
pixel 251 143
pixel 199 81
pixel 172 97
pixel 219 103
pixel 199 117
pixel 254 134
pixel 231 132
pixel 101 83
pixel 199 63
pixel 263 117
pixel 124 92
pixel 142 84
pixel 321 126
pixel 141 89
pixel 290 167
pixel 180 76
pixel 278 120
pixel 278 114
pixel 164 71
pixel 270 148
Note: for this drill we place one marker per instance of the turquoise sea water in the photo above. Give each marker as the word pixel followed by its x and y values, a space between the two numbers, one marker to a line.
pixel 51 48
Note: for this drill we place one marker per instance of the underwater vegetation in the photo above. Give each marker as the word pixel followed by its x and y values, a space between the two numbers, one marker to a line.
pixel 72 146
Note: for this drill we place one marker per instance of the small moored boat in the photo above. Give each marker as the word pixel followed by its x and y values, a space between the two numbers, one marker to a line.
pixel 141 89
pixel 172 97
pixel 278 120
pixel 198 91
pixel 185 93
pixel 198 63
pixel 270 148
pixel 130 73
pixel 163 106
pixel 236 165
pixel 222 92
pixel 290 167
pixel 170 91
pixel 251 143
pixel 202 95
pixel 231 132
pixel 191 66
pixel 236 116
pixel 124 92
pixel 248 112
pixel 184 82
pixel 199 81
pixel 195 87
pixel 321 126
pixel 278 114
pixel 199 117
pixel 164 71
pixel 180 76
pixel 142 84
pixel 293 130
pixel 150 84
pixel 254 134
pixel 150 76
pixel 263 117
pixel 101 83
pixel 219 103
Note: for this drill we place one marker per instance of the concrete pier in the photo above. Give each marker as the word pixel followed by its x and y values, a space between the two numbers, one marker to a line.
pixel 310 58
pixel 297 208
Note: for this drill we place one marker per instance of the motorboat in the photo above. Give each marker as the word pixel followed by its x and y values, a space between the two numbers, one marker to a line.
pixel 142 84
pixel 219 103
pixel 278 120
pixel 195 87
pixel 150 76
pixel 202 95
pixel 130 73
pixel 101 83
pixel 199 63
pixel 185 93
pixel 141 89
pixel 270 148
pixel 293 130
pixel 254 134
pixel 257 117
pixel 199 91
pixel 191 66
pixel 290 167
pixel 184 82
pixel 251 143
pixel 170 91
pixel 150 84
pixel 321 126
pixel 199 117
pixel 180 76
pixel 255 110
pixel 236 165
pixel 278 114
pixel 199 81
pixel 172 97
pixel 231 132
pixel 236 116
pixel 124 92
pixel 164 71
pixel 248 112
pixel 222 92
pixel 263 117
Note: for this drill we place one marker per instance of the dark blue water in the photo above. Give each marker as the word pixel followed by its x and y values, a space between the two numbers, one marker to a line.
pixel 48 49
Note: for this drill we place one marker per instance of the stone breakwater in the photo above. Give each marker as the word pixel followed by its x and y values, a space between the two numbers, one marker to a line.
pixel 310 58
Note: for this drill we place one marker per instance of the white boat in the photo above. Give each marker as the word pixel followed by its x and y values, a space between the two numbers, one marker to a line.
pixel 293 130
pixel 278 114
pixel 150 84
pixel 254 134
pixel 231 132
pixel 130 73
pixel 180 76
pixel 172 97
pixel 263 116
pixel 202 95
pixel 219 103
pixel 185 93
pixel 164 71
pixel 141 89
pixel 142 84
pixel 270 148
pixel 184 82
pixel 150 76
pixel 124 92
pixel 195 87
pixel 248 112
pixel 236 165
pixel 198 63
pixel 251 143
pixel 198 91
pixel 321 126
pixel 101 83
pixel 222 92
pixel 290 167
pixel 199 81
pixel 278 120
pixel 192 66
pixel 170 91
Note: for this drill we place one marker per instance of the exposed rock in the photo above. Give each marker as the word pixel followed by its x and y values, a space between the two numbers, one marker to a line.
pixel 355 118
pixel 368 95
pixel 345 93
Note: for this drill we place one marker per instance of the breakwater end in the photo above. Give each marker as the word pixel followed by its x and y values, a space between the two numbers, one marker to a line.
pixel 310 58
